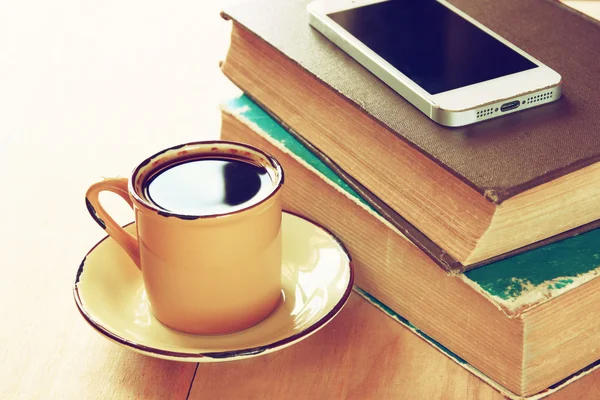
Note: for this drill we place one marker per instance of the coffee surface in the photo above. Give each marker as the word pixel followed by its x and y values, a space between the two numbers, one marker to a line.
pixel 208 186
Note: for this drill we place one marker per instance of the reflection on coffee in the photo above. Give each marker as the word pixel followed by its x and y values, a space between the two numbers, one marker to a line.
pixel 208 186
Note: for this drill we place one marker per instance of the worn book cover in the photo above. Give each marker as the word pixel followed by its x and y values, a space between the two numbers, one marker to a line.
pixel 502 157
pixel 517 285
pixel 506 161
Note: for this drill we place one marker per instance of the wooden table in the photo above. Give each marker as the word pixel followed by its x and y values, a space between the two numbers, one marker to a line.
pixel 87 89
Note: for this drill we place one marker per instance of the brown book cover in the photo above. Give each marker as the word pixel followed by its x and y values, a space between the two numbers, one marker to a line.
pixel 501 157
pixel 498 159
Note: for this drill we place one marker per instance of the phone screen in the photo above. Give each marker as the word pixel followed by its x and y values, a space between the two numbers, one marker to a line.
pixel 430 44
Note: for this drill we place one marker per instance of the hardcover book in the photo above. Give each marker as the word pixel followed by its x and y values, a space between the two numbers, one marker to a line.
pixel 473 194
pixel 526 324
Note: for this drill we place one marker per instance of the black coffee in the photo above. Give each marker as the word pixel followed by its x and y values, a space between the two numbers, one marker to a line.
pixel 208 186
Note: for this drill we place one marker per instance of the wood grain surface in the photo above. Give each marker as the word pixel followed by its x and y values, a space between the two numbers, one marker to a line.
pixel 362 354
pixel 87 90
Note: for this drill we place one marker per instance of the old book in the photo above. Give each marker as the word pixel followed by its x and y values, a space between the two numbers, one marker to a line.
pixel 476 193
pixel 528 322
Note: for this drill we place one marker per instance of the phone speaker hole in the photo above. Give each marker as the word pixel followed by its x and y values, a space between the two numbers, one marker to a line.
pixel 485 112
pixel 539 97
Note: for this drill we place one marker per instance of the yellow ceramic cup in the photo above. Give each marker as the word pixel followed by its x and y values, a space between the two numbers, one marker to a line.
pixel 203 274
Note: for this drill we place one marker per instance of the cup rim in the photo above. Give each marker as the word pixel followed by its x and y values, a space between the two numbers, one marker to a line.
pixel 166 213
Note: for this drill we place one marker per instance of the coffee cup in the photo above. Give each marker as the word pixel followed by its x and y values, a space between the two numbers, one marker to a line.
pixel 208 244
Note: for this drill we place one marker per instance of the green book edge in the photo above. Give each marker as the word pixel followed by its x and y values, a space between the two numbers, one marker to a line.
pixel 549 270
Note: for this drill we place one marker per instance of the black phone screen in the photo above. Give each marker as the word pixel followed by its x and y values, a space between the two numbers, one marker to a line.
pixel 430 44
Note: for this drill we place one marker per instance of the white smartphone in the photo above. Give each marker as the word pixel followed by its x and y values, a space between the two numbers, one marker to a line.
pixel 449 66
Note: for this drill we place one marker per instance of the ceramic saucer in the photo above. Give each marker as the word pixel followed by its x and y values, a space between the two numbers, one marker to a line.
pixel 317 279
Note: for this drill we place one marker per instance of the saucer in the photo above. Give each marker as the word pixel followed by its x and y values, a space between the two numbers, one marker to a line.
pixel 317 278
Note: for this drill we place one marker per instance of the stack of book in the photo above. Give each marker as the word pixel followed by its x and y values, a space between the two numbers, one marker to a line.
pixel 481 239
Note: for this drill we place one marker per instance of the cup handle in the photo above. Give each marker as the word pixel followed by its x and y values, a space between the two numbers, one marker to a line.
pixel 126 240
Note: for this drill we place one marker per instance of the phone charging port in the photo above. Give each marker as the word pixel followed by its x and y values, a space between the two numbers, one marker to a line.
pixel 511 105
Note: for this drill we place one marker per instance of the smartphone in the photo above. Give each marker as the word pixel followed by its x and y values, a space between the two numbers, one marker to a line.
pixel 449 66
